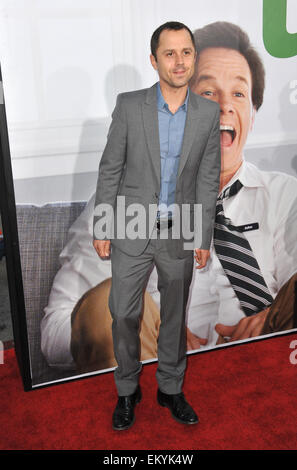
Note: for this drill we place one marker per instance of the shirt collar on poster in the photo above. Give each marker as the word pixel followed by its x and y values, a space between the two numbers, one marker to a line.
pixel 247 176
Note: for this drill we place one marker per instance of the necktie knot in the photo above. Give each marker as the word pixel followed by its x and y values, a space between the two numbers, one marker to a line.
pixel 231 190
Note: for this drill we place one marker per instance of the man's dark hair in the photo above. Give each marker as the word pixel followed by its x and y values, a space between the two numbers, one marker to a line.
pixel 171 25
pixel 231 36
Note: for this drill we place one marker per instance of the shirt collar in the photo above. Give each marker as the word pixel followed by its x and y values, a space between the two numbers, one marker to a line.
pixel 162 103
pixel 248 174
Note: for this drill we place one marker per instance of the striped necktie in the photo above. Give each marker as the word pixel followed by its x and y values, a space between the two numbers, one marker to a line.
pixel 238 260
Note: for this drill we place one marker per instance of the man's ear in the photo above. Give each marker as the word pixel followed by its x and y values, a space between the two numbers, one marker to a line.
pixel 154 62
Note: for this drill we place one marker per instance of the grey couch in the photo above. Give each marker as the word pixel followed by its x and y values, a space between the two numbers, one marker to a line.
pixel 42 235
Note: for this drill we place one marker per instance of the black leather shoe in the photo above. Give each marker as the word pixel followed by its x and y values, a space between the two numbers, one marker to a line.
pixel 180 409
pixel 123 416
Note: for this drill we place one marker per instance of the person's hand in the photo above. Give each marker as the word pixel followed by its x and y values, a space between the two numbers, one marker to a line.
pixel 201 256
pixel 193 341
pixel 247 327
pixel 102 247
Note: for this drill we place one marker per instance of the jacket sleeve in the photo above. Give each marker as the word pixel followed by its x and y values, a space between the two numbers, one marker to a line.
pixel 208 183
pixel 110 170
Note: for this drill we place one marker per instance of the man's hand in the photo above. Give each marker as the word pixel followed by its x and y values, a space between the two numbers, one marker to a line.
pixel 247 327
pixel 102 247
pixel 193 341
pixel 201 257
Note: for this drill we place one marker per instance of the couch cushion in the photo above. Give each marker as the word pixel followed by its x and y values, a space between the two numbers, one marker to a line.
pixel 42 235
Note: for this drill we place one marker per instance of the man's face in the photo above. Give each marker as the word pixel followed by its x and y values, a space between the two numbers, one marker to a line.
pixel 223 75
pixel 175 62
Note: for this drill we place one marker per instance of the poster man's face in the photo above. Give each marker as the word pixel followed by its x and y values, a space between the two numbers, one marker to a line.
pixel 224 76
pixel 175 58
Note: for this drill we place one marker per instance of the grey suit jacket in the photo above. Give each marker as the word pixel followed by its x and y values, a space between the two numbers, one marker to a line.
pixel 131 166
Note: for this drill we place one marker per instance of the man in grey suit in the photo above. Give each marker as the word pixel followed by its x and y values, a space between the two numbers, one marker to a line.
pixel 162 152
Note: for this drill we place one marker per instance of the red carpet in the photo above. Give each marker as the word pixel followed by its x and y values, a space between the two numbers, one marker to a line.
pixel 245 397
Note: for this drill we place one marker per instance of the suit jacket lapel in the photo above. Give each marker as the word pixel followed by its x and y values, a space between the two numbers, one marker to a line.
pixel 150 120
pixel 151 127
pixel 191 129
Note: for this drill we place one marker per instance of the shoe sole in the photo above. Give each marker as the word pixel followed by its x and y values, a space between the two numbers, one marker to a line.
pixel 132 422
pixel 174 417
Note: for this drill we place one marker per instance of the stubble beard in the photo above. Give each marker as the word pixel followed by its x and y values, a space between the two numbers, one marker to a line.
pixel 176 84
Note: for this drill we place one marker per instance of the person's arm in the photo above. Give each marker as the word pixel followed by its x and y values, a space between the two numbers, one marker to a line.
pixel 207 189
pixel 110 172
pixel 247 327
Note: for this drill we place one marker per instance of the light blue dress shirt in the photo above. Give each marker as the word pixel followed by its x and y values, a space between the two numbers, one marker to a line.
pixel 171 133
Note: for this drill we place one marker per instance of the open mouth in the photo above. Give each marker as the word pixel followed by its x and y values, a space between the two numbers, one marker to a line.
pixel 228 135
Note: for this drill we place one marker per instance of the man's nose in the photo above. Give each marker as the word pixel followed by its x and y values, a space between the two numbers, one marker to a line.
pixel 179 59
pixel 225 105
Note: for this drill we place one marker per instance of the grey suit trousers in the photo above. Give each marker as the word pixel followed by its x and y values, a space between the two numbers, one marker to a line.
pixel 129 278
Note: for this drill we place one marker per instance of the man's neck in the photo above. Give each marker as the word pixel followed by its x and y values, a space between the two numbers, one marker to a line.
pixel 228 175
pixel 174 96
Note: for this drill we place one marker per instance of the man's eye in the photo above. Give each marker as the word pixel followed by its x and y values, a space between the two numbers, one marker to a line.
pixel 238 93
pixel 169 54
pixel 207 93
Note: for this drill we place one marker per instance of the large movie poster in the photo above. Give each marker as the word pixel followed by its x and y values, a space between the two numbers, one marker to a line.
pixel 63 64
